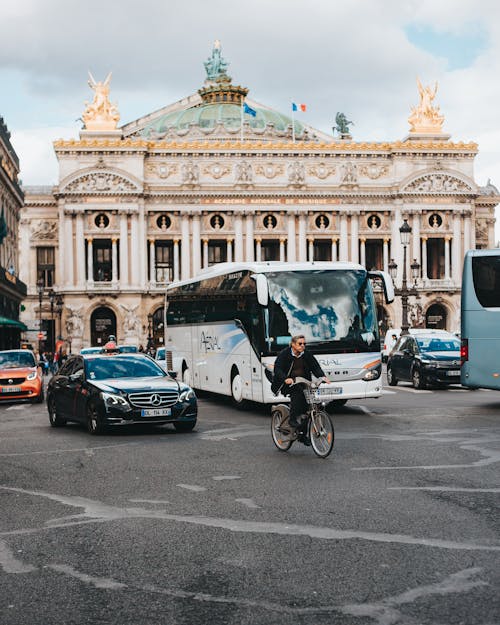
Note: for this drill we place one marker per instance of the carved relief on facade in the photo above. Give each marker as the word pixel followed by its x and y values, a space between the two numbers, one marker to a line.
pixel 43 230
pixel 243 172
pixel 373 170
pixel 217 170
pixel 74 322
pixel 100 182
pixel 349 173
pixel 321 170
pixel 482 229
pixel 190 173
pixel 269 170
pixel 438 183
pixel 296 174
pixel 131 323
pixel 162 169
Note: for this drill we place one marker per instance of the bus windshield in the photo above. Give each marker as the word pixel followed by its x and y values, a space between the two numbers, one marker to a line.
pixel 334 310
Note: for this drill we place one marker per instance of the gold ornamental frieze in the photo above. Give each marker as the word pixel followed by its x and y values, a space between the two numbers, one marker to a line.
pixel 321 170
pixel 373 170
pixel 162 169
pixel 217 170
pixel 269 170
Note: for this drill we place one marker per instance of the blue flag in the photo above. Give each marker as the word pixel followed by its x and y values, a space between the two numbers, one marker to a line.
pixel 294 106
pixel 248 110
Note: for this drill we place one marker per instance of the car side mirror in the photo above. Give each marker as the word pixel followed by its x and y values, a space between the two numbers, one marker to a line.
pixel 76 377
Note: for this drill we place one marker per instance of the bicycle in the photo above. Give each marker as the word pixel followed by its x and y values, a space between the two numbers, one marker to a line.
pixel 317 428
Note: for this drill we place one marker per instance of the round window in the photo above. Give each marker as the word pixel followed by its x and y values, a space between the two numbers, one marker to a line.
pixel 163 222
pixel 101 221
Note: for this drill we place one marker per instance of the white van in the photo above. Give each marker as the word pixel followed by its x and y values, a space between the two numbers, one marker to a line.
pixel 392 335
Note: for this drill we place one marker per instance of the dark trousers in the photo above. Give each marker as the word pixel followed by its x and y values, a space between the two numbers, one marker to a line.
pixel 298 403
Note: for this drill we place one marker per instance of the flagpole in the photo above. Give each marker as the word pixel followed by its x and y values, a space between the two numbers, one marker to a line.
pixel 242 119
pixel 293 123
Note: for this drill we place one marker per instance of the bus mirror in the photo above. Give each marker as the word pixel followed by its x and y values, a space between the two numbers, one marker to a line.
pixel 387 284
pixel 262 291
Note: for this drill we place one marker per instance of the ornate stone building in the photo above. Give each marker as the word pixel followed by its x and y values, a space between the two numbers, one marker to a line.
pixel 218 177
pixel 12 290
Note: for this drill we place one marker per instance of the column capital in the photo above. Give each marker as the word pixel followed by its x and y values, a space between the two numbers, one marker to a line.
pixel 176 241
pixel 151 241
pixel 114 240
pixel 90 239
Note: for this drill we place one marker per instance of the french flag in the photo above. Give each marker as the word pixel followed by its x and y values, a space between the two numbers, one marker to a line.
pixel 299 107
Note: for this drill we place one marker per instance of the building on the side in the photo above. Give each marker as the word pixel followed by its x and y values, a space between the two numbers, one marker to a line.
pixel 12 290
pixel 219 177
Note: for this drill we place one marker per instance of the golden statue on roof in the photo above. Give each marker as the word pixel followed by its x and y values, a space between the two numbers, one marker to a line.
pixel 100 114
pixel 425 117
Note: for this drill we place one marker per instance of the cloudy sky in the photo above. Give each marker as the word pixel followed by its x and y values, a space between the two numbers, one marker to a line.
pixel 360 57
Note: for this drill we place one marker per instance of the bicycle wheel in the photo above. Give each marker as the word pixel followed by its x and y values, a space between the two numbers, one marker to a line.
pixel 281 431
pixel 321 433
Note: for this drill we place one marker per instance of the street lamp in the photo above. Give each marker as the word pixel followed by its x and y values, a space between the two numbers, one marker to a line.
pixel 404 292
pixel 150 332
pixel 59 309
pixel 40 286
pixel 52 299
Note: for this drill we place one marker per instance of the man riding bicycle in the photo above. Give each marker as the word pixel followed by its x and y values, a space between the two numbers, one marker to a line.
pixel 293 362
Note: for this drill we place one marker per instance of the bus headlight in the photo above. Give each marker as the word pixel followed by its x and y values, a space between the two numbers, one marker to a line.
pixel 373 374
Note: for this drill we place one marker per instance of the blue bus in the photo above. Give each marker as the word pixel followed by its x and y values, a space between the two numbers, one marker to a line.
pixel 480 323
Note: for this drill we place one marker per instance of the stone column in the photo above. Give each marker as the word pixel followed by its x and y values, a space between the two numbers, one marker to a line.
pixel 396 247
pixel 152 262
pixel 114 261
pixel 90 262
pixel 185 256
pixel 386 255
pixel 249 244
pixel 60 272
pixel 80 251
pixel 229 250
pixel 124 243
pixel 310 255
pixel 134 249
pixel 447 258
pixel 424 259
pixel 176 260
pixel 362 246
pixel 343 253
pixel 334 250
pixel 467 234
pixel 291 245
pixel 456 256
pixel 282 249
pixel 196 245
pixel 142 246
pixel 302 238
pixel 415 238
pixel 354 238
pixel 258 250
pixel 238 238
pixel 205 253
pixel 68 244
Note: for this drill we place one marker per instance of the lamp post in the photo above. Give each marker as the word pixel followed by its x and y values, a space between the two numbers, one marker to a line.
pixel 52 299
pixel 150 333
pixel 59 309
pixel 404 292
pixel 40 286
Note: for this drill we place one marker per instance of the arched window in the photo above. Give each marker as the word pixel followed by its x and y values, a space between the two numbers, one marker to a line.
pixel 102 324
pixel 436 317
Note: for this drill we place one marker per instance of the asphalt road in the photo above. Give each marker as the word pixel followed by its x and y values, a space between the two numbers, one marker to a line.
pixel 398 526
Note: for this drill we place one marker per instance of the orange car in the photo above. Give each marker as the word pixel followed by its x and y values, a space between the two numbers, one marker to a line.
pixel 20 376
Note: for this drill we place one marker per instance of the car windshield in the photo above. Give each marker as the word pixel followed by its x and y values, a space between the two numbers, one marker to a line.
pixel 16 360
pixel 430 344
pixel 119 367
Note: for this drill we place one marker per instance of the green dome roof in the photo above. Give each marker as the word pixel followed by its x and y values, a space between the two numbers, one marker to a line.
pixel 207 116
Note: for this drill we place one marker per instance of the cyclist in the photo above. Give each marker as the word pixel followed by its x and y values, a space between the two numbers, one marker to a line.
pixel 293 362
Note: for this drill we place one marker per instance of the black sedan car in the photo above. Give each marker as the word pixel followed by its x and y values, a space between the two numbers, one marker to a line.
pixel 102 390
pixel 425 359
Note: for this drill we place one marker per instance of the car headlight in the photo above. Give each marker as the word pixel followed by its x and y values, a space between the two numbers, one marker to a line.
pixel 110 399
pixel 187 395
pixel 373 374
pixel 32 376
pixel 429 363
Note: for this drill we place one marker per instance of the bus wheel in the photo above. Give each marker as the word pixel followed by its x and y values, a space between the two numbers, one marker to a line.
pixel 186 374
pixel 237 389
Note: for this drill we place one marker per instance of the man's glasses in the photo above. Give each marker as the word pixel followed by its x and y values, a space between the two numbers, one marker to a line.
pixel 301 342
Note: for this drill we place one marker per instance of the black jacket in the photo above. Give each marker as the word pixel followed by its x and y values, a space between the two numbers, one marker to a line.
pixel 283 366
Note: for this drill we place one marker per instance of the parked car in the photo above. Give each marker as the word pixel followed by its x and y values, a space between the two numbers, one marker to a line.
pixel 392 335
pixel 20 376
pixel 423 359
pixel 91 350
pixel 168 359
pixel 128 349
pixel 113 389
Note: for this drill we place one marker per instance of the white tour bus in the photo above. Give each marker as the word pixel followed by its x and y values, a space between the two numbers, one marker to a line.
pixel 228 324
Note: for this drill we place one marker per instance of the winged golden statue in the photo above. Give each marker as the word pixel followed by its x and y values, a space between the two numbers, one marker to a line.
pixel 100 114
pixel 425 117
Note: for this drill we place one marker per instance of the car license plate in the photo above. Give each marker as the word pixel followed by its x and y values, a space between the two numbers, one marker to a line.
pixel 10 389
pixel 453 373
pixel 156 412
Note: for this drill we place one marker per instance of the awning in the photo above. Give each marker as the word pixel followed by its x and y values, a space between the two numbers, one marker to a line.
pixel 13 323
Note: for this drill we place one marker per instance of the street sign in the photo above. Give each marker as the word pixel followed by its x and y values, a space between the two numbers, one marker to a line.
pixel 42 336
